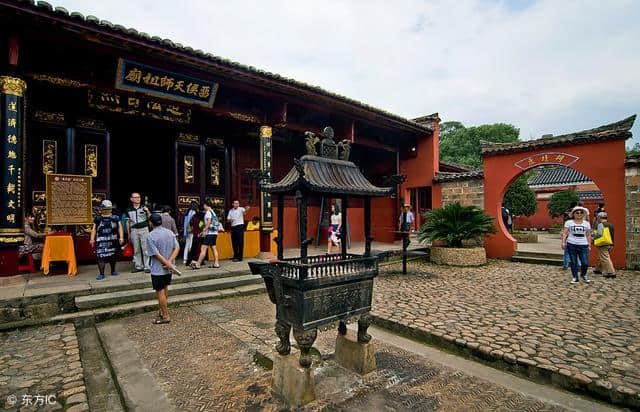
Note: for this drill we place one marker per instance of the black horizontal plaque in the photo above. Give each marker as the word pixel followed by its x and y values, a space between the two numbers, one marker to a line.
pixel 163 83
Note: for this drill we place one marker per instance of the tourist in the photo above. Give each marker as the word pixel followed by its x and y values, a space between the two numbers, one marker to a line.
pixel 335 228
pixel 163 248
pixel 210 235
pixel 576 238
pixel 236 218
pixel 596 214
pixel 254 224
pixel 605 265
pixel 408 223
pixel 506 218
pixel 107 236
pixel 29 247
pixel 167 221
pixel 187 230
pixel 138 230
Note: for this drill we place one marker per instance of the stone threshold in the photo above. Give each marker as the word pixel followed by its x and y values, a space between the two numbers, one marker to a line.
pixel 90 317
pixel 528 368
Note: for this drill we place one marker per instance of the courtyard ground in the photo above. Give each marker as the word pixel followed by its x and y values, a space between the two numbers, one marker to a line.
pixel 524 317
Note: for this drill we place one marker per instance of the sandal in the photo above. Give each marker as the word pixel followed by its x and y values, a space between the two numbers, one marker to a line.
pixel 214 266
pixel 161 321
pixel 195 266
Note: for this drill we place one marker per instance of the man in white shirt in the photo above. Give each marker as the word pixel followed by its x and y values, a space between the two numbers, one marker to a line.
pixel 407 225
pixel 236 218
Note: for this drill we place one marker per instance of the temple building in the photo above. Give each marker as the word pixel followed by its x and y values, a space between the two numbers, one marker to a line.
pixel 84 96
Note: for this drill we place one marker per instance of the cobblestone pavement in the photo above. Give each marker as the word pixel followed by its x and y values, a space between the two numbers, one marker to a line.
pixel 204 361
pixel 525 313
pixel 40 369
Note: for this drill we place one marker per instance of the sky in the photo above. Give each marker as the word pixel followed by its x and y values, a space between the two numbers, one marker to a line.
pixel 545 66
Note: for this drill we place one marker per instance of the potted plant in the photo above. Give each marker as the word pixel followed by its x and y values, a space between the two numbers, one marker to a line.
pixel 452 225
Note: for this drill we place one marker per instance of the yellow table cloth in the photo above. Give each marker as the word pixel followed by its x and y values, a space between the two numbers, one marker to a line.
pixel 59 248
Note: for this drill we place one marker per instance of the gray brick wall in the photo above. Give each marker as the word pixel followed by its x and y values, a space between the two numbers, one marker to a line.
pixel 632 186
pixel 467 192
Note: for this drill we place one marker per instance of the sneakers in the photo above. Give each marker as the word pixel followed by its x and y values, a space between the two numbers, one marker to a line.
pixel 114 273
pixel 100 277
pixel 147 271
pixel 574 281
pixel 136 270
pixel 584 278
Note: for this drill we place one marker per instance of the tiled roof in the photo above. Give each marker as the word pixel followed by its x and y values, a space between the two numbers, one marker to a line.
pixel 557 176
pixel 452 165
pixel 451 177
pixel 617 130
pixel 590 195
pixel 271 79
pixel 632 160
pixel 324 175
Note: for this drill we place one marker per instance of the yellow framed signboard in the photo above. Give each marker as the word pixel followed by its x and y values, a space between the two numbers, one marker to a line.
pixel 69 200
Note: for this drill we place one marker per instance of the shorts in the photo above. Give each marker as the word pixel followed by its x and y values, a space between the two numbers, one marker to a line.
pixel 160 282
pixel 210 240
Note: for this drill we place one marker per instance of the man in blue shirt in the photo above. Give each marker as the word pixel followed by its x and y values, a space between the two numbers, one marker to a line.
pixel 163 248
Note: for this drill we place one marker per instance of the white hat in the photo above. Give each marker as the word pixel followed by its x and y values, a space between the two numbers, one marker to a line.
pixel 106 204
pixel 576 208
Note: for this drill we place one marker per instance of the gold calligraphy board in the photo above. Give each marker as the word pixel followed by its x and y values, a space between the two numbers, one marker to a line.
pixel 69 200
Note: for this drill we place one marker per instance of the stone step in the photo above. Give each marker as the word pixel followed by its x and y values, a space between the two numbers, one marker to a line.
pixel 147 293
pixel 143 281
pixel 545 255
pixel 537 260
pixel 89 317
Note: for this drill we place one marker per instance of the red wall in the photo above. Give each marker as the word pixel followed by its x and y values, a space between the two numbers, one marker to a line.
pixel 421 169
pixel 542 219
pixel 500 171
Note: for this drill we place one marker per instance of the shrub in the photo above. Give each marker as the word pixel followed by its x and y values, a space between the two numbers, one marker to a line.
pixel 562 201
pixel 455 223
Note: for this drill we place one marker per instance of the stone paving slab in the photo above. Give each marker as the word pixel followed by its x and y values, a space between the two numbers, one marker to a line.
pixel 40 369
pixel 525 318
pixel 204 360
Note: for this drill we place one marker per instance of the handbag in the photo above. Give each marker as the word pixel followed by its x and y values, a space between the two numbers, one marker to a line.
pixel 604 239
pixel 128 250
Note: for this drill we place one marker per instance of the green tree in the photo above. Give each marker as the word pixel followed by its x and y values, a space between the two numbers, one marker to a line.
pixel 562 201
pixel 634 151
pixel 462 144
pixel 446 128
pixel 455 223
pixel 520 199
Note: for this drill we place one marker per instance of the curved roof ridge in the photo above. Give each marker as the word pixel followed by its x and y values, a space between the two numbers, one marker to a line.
pixel 611 131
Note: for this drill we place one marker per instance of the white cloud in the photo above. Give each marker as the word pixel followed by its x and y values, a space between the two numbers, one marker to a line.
pixel 545 66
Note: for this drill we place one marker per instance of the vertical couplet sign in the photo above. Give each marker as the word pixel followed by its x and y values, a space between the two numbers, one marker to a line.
pixel 11 118
pixel 265 165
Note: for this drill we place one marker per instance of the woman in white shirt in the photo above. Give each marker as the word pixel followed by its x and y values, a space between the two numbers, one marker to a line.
pixel 336 224
pixel 576 238
pixel 210 234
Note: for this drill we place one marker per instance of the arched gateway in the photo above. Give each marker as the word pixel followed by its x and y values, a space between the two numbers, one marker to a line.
pixel 597 153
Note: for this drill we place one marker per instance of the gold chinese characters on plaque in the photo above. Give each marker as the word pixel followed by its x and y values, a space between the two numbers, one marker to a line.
pixel 49 156
pixel 189 176
pixel 69 200
pixel 215 172
pixel 91 160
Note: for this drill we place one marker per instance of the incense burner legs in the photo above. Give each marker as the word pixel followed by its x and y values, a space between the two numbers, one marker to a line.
pixel 305 339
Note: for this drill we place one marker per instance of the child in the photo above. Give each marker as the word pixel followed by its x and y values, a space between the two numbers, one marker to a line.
pixel 105 234
pixel 254 224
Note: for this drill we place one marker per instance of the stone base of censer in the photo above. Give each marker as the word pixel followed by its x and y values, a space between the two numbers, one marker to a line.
pixel 294 384
pixel 353 355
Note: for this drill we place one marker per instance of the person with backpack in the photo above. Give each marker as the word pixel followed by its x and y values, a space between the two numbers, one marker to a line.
pixel 604 245
pixel 107 236
pixel 209 234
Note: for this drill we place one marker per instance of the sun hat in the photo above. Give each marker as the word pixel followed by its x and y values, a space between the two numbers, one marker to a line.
pixel 576 208
pixel 603 215
pixel 106 204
